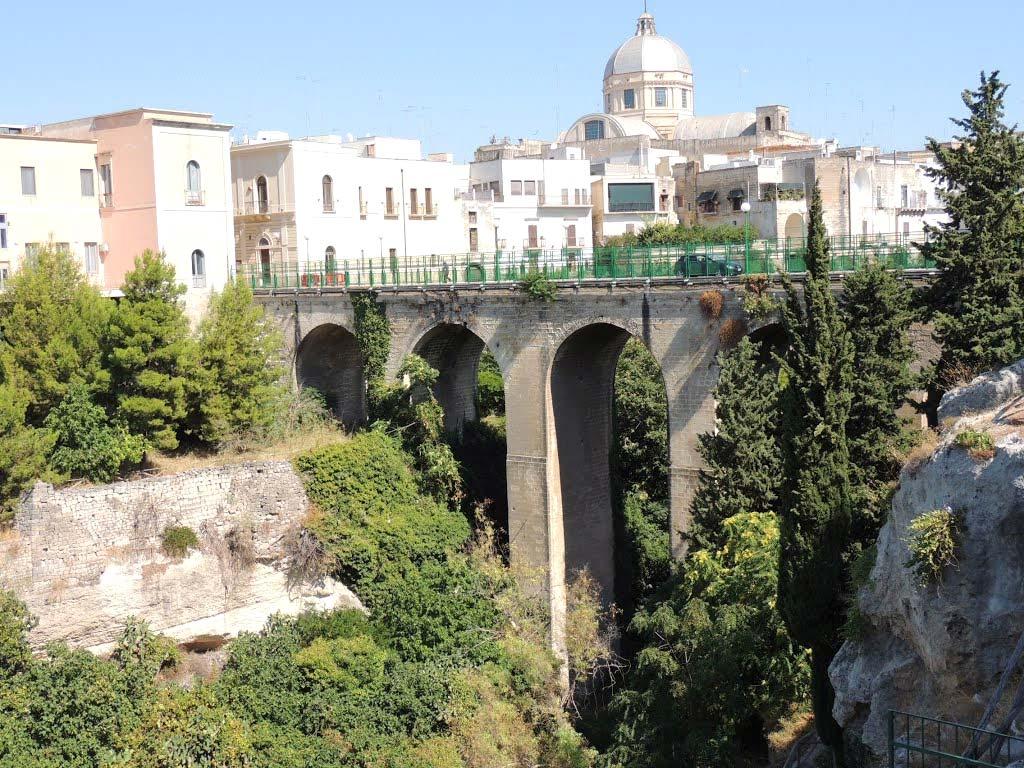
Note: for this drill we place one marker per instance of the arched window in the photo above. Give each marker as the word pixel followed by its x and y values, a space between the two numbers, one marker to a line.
pixel 262 200
pixel 593 130
pixel 767 123
pixel 783 122
pixel 328 186
pixel 198 269
pixel 330 259
pixel 193 184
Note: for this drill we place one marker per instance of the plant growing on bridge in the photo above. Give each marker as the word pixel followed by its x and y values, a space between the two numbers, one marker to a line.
pixel 539 286
pixel 978 300
pixel 731 332
pixel 758 301
pixel 815 499
pixel 933 540
pixel 711 304
pixel 150 354
pixel 373 335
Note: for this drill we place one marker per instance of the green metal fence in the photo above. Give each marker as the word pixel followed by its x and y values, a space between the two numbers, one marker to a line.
pixel 580 264
pixel 916 741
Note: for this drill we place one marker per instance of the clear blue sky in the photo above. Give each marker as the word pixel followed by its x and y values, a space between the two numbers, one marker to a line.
pixel 454 72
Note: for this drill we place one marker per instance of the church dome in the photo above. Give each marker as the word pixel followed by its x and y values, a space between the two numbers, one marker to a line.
pixel 647 51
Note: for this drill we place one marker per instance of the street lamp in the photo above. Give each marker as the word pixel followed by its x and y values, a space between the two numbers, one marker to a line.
pixel 746 231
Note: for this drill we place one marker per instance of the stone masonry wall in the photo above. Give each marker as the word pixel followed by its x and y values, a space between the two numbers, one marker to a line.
pixel 85 559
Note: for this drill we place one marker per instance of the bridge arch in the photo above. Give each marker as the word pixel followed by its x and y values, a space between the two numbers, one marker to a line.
pixel 328 360
pixel 585 531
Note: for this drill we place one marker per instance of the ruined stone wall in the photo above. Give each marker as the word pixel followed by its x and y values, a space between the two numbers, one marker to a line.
pixel 85 559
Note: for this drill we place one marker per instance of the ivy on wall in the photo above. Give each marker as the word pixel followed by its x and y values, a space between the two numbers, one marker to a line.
pixel 373 335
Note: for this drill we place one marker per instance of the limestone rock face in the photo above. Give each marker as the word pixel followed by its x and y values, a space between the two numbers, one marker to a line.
pixel 85 559
pixel 939 649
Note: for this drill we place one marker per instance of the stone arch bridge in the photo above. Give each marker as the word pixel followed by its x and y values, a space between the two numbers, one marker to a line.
pixel 558 362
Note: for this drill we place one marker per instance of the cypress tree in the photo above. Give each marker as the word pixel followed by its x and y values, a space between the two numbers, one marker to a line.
pixel 150 353
pixel 978 300
pixel 742 462
pixel 877 308
pixel 815 497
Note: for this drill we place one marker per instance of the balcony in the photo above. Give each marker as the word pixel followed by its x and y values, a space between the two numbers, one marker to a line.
pixel 483 196
pixel 363 208
pixel 430 211
pixel 106 200
pixel 195 197
pixel 390 212
pixel 198 281
pixel 259 208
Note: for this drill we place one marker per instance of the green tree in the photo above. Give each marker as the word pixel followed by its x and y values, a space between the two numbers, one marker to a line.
pixel 87 444
pixel 743 466
pixel 717 666
pixel 239 349
pixel 23 449
pixel 815 496
pixel 978 299
pixel 877 308
pixel 150 353
pixel 52 323
pixel 641 422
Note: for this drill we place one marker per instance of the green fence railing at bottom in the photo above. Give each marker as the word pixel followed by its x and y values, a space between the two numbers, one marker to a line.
pixel 916 741
pixel 578 264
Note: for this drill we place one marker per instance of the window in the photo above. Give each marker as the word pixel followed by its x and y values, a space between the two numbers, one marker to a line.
pixel 517 188
pixel 389 201
pixel 660 97
pixel 529 187
pixel 92 259
pixel 428 201
pixel 784 121
pixel 630 197
pixel 593 130
pixel 362 204
pixel 767 123
pixel 28 180
pixel 262 198
pixel 474 239
pixel 629 99
pixel 327 183
pixel 330 259
pixel 193 184
pixel 531 236
pixel 86 180
pixel 31 250
pixel 905 196
pixel 906 229
pixel 3 230
pixel 472 217
pixel 570 236
pixel 198 269
pixel 684 98
pixel 106 185
pixel 414 202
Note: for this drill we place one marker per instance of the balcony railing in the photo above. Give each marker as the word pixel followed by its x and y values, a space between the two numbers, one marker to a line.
pixel 106 200
pixel 578 264
pixel 482 195
pixel 198 281
pixel 916 741
pixel 195 197
pixel 631 208
pixel 259 208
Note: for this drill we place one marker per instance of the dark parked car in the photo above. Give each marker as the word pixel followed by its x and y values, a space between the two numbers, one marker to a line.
pixel 703 266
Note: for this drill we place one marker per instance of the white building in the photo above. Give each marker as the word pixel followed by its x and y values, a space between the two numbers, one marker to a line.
pixel 48 196
pixel 346 205
pixel 535 202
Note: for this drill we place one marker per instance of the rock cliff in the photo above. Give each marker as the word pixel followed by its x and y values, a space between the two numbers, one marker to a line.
pixel 85 559
pixel 939 649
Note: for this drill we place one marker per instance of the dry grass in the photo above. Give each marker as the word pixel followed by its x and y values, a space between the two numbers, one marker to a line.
pixel 282 450
pixel 788 731
pixel 731 332
pixel 921 453
pixel 711 303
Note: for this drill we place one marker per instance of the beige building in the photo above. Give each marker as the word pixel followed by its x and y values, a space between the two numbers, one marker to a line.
pixel 48 195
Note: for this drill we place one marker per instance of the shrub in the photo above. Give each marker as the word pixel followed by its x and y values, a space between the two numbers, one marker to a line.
pixel 87 444
pixel 978 444
pixel 711 303
pixel 177 540
pixel 757 298
pixel 539 287
pixel 731 332
pixel 933 541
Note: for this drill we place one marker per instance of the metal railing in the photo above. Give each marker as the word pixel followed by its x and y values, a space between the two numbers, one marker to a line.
pixel 579 264
pixel 916 741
